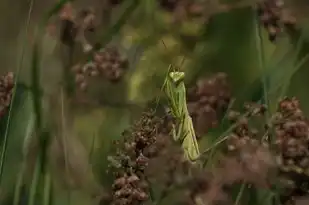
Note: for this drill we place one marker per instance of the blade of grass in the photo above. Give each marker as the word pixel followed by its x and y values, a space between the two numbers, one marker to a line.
pixel 275 68
pixel 5 142
pixel 35 87
pixel 290 65
pixel 222 33
pixel 40 165
pixel 18 186
pixel 47 189
pixel 261 58
pixel 20 180
pixel 299 41
pixel 40 172
pixel 91 151
pixel 224 136
pixel 34 183
pixel 299 79
pixel 240 193
pixel 43 136
pixel 106 37
pixel 296 68
pixel 64 140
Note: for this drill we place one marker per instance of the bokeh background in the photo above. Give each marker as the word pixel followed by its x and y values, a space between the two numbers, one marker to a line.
pixel 223 41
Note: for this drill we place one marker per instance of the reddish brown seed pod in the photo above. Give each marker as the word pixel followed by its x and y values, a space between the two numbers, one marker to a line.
pixel 292 141
pixel 147 135
pixel 274 16
pixel 207 99
pixel 107 63
pixel 6 90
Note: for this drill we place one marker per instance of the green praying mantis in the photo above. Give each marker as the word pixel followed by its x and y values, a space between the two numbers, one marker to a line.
pixel 183 132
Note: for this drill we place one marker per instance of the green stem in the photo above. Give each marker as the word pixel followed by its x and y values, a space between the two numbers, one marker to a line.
pixel 34 183
pixel 47 189
pixel 261 57
pixel 107 36
pixel 5 141
pixel 240 193
pixel 18 187
pixel 262 65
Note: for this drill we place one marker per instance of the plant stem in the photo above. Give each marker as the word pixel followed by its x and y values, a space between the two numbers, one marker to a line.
pixel 47 189
pixel 262 65
pixel 5 141
pixel 240 193
pixel 34 183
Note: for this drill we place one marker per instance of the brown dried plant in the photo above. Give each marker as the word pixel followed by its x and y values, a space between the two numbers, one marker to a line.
pixel 6 92
pixel 207 100
pixel 274 16
pixel 108 63
pixel 140 145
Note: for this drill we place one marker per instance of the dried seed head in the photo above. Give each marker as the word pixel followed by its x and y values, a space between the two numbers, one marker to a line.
pixel 292 141
pixel 6 91
pixel 134 153
pixel 108 63
pixel 207 100
pixel 111 63
pixel 273 16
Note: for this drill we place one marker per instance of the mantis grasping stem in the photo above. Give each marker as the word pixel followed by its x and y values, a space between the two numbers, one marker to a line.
pixel 175 90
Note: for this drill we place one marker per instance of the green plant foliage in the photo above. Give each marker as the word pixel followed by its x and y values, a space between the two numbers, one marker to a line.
pixel 15 128
pixel 153 35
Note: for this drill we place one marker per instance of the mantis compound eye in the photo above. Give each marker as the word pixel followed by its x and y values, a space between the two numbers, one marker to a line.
pixel 177 77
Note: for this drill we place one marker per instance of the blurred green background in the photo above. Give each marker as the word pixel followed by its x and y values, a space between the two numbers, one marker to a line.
pixel 230 42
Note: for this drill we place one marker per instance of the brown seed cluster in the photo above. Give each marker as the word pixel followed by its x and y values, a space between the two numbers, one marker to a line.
pixel 129 189
pixel 74 26
pixel 292 135
pixel 204 188
pixel 108 63
pixel 207 100
pixel 140 145
pixel 169 167
pixel 242 133
pixel 6 92
pixel 149 156
pixel 274 16
pixel 253 165
pixel 292 140
pixel 111 63
pixel 246 143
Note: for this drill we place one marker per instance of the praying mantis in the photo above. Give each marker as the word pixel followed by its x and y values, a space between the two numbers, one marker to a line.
pixel 183 132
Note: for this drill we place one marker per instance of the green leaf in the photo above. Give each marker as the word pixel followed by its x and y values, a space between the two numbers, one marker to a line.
pixel 227 45
pixel 15 129
pixel 15 95
pixel 298 81
pixel 106 36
